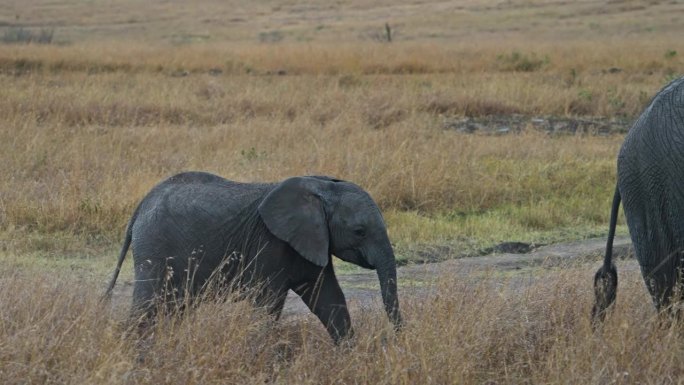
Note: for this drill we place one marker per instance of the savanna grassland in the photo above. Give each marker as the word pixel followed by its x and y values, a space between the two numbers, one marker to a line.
pixel 127 94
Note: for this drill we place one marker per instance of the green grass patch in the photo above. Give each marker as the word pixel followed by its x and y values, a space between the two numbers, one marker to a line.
pixel 420 238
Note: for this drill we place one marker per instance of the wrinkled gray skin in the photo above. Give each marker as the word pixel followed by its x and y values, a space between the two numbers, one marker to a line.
pixel 651 187
pixel 268 237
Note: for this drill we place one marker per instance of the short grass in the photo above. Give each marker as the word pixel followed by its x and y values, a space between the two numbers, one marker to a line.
pixel 272 22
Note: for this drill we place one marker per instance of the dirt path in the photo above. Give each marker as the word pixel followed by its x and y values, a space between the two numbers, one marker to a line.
pixel 362 289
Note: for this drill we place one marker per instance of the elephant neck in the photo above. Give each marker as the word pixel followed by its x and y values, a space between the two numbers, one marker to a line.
pixel 247 234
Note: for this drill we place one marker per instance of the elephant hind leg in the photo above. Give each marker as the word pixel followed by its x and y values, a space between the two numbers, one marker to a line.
pixel 147 294
pixel 143 315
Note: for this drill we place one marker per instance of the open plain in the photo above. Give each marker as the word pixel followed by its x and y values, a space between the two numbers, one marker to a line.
pixel 480 125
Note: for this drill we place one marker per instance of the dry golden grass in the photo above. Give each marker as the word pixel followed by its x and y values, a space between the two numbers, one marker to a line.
pixel 82 146
pixel 81 150
pixel 483 329
pixel 575 62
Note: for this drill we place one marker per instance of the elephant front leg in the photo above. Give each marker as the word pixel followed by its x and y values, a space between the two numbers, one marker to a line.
pixel 325 299
pixel 272 300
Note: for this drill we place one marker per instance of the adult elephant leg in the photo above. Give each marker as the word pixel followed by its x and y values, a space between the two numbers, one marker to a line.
pixel 661 283
pixel 326 300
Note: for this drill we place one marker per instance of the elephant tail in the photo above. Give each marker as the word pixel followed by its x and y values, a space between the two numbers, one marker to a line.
pixel 122 255
pixel 606 279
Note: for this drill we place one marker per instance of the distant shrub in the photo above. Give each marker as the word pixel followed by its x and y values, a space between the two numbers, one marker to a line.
pixel 585 95
pixel 20 35
pixel 583 104
pixel 520 62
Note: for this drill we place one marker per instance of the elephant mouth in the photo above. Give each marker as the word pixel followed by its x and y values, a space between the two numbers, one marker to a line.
pixel 356 257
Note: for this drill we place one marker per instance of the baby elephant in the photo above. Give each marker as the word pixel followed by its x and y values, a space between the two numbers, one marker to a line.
pixel 269 237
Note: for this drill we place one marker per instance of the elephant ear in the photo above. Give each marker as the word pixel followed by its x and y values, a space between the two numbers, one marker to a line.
pixel 293 212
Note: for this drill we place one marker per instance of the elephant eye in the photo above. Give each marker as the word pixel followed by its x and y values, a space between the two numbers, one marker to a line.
pixel 360 232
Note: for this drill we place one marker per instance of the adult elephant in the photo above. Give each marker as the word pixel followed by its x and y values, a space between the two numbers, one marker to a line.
pixel 651 186
pixel 266 237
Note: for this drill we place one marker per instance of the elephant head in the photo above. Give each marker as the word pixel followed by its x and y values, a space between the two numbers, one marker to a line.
pixel 321 216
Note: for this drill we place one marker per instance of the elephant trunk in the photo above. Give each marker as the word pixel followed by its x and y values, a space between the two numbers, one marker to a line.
pixel 387 274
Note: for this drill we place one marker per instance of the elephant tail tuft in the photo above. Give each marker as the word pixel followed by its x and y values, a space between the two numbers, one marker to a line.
pixel 605 291
pixel 606 279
